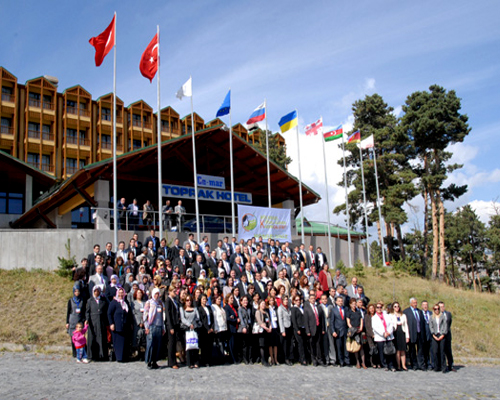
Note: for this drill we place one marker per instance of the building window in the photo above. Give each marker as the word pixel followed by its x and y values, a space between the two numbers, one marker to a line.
pixel 136 120
pixel 71 136
pixel 11 203
pixel 165 125
pixel 71 165
pixel 34 159
pixel 7 94
pixel 105 114
pixel 6 126
pixel 33 130
pixel 34 99
pixel 137 144
pixel 105 142
pixel 83 138
pixel 46 133
pixel 81 163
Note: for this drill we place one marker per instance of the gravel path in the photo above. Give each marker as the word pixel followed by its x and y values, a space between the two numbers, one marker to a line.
pixel 38 376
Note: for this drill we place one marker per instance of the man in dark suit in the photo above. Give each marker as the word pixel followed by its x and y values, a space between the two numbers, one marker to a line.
pixel 182 262
pixel 174 250
pixel 172 325
pixel 327 340
pixel 108 253
pixel 164 250
pixel 428 356
pixel 270 270
pixel 197 251
pixel 237 267
pixel 332 294
pixel 313 318
pixel 320 259
pixel 311 257
pixel 243 285
pixel 154 239
pixel 338 324
pixel 447 344
pixel 416 328
pixel 91 259
pixel 260 287
pixel 236 253
pixel 212 264
pixel 197 266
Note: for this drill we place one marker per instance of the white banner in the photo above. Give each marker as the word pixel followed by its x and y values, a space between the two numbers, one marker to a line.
pixel 274 223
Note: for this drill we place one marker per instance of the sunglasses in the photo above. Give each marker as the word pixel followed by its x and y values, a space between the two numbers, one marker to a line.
pixel 436 309
pixel 379 307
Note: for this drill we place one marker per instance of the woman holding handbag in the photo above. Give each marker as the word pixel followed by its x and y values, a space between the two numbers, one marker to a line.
pixel 374 358
pixel 262 328
pixel 355 324
pixel 382 329
pixel 190 322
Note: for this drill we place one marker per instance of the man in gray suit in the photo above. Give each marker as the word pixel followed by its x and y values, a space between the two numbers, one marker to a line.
pixel 180 211
pixel 327 340
pixel 98 279
pixel 352 289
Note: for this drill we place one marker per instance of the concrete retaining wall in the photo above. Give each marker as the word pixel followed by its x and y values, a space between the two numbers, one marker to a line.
pixel 40 248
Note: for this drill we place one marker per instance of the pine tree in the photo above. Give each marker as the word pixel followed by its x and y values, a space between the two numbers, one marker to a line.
pixel 277 153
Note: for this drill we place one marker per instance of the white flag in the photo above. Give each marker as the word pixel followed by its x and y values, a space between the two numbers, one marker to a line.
pixel 186 90
pixel 367 143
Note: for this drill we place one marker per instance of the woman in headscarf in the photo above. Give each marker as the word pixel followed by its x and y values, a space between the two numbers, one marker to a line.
pixel 110 291
pixel 119 316
pixel 97 317
pixel 75 312
pixel 154 327
pixel 138 335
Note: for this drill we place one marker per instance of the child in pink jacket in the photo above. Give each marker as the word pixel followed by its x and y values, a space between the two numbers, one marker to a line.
pixel 80 342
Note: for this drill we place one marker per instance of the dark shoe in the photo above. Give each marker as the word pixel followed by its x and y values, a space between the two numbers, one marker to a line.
pixel 150 366
pixel 155 366
pixel 303 363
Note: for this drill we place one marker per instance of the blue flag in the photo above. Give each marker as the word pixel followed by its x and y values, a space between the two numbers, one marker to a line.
pixel 226 106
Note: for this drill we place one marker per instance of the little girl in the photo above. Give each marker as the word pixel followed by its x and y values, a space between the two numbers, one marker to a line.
pixel 80 342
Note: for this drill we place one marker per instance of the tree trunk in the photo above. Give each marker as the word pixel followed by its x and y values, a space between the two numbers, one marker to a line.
pixel 452 270
pixel 442 246
pixel 400 241
pixel 390 255
pixel 435 235
pixel 426 224
pixel 473 274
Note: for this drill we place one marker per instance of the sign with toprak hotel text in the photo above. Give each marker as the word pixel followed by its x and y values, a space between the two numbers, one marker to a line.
pixel 186 192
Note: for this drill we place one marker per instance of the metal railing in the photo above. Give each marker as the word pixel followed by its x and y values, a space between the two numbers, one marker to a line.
pixel 78 111
pixel 7 129
pixel 209 223
pixel 36 135
pixel 8 97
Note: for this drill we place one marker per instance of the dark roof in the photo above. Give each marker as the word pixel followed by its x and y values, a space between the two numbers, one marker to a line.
pixel 212 149
pixel 42 177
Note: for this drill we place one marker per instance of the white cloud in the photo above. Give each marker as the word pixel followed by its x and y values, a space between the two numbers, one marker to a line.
pixel 485 209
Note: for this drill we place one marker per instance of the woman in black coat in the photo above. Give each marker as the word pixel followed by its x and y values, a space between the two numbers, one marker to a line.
pixel 97 317
pixel 298 327
pixel 119 316
pixel 206 331
pixel 232 324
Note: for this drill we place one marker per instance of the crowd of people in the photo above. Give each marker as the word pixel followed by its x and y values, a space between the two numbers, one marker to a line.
pixel 250 302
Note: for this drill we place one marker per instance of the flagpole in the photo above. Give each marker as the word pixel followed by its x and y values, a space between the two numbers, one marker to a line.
pixel 231 170
pixel 347 205
pixel 378 202
pixel 364 201
pixel 327 198
pixel 267 154
pixel 300 180
pixel 194 172
pixel 160 179
pixel 115 180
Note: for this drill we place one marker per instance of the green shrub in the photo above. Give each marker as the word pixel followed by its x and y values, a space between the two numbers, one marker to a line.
pixel 66 265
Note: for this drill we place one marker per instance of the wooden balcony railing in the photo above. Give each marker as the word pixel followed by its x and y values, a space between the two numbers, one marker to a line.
pixel 7 130
pixel 8 97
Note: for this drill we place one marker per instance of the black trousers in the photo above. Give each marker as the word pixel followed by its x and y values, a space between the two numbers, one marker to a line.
pixel 299 338
pixel 447 350
pixel 246 346
pixel 385 360
pixel 206 342
pixel 438 350
pixel 314 347
pixel 342 354
pixel 427 354
pixel 416 351
pixel 172 346
pixel 286 343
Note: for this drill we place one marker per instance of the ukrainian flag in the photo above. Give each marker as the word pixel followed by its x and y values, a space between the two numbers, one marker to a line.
pixel 288 122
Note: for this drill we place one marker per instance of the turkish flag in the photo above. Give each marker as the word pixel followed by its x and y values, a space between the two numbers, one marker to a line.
pixel 149 60
pixel 104 43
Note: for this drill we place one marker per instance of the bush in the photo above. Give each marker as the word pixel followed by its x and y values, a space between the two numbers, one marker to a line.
pixel 359 269
pixel 409 266
pixel 376 255
pixel 343 269
pixel 66 265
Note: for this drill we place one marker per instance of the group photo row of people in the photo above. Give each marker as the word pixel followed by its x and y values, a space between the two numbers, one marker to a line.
pixel 248 302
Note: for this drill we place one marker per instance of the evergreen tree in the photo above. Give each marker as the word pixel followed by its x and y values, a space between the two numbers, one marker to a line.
pixel 432 120
pixel 277 153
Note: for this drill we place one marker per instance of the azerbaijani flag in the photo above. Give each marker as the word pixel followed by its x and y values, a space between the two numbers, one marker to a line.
pixel 333 135
pixel 354 138
pixel 259 114
pixel 288 122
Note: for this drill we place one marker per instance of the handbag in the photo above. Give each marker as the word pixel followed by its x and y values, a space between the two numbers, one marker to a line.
pixel 352 346
pixel 256 328
pixel 389 348
pixel 191 340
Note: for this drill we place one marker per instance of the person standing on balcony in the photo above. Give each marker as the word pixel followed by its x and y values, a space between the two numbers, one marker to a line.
pixel 133 215
pixel 121 210
pixel 167 216
pixel 148 214
pixel 180 211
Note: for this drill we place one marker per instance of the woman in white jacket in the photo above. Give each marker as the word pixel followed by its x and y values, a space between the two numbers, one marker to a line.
pixel 401 334
pixel 383 328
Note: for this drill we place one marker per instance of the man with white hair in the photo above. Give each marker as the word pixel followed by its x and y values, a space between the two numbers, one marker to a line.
pixel 416 329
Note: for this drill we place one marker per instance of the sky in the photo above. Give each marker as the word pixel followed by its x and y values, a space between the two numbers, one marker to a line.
pixel 317 57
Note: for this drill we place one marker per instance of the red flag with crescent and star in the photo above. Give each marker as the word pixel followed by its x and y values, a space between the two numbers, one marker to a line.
pixel 149 60
pixel 104 43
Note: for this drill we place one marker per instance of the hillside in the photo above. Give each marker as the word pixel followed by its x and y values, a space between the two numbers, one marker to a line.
pixel 33 308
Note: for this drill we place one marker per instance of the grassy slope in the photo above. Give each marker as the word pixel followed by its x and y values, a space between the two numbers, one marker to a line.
pixel 33 308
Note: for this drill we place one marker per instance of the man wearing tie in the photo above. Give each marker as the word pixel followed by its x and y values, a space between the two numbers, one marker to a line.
pixel 182 262
pixel 226 265
pixel 352 289
pixel 235 254
pixel 311 257
pixel 98 279
pixel 180 211
pixel 338 325
pixel 198 266
pixel 428 356
pixel 447 344
pixel 416 328
pixel 327 340
pixel 154 239
pixel 313 318
pixel 237 267
pixel 107 253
